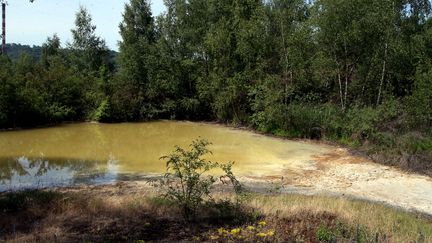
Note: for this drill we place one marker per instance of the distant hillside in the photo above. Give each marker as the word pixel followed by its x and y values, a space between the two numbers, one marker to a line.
pixel 14 51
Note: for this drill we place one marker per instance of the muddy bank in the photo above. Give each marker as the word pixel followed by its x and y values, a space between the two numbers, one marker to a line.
pixel 340 173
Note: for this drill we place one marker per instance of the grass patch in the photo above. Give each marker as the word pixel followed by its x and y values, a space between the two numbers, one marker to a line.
pixel 389 223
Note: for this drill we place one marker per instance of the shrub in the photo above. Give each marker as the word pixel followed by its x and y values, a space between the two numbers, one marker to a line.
pixel 324 234
pixel 187 182
pixel 102 111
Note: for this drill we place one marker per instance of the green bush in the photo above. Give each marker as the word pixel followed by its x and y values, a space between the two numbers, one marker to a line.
pixel 187 182
pixel 102 111
pixel 324 234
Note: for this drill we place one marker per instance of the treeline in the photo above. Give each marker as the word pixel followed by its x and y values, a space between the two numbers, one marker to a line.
pixel 354 71
pixel 14 51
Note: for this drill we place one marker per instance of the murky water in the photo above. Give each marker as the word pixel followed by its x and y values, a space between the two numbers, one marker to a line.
pixel 98 153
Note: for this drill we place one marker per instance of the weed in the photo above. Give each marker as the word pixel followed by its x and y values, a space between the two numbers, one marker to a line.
pixel 325 234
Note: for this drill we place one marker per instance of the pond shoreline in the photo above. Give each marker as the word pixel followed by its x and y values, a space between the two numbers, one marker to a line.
pixel 259 186
pixel 321 141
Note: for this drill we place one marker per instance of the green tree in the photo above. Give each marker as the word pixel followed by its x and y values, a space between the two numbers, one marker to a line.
pixel 133 91
pixel 89 51
pixel 289 54
pixel 235 46
pixel 420 101
pixel 50 48
pixel 354 36
pixel 183 57
pixel 90 59
pixel 8 96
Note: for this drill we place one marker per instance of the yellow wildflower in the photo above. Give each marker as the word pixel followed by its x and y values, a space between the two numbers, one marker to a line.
pixel 261 234
pixel 270 232
pixel 235 231
pixel 262 223
pixel 222 231
pixel 250 228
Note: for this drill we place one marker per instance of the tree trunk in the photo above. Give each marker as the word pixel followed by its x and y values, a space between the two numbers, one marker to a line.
pixel 382 75
pixel 340 90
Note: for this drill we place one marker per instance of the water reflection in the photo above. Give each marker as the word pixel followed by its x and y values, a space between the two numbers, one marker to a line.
pixel 26 173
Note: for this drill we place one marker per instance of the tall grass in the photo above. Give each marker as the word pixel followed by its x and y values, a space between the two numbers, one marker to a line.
pixel 399 226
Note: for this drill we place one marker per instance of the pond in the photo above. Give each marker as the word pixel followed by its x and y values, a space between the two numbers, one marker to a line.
pixel 89 153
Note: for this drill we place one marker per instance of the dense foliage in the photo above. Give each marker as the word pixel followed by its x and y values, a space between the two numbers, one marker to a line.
pixel 354 71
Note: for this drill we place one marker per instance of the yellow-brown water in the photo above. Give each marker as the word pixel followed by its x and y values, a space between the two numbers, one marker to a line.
pixel 95 153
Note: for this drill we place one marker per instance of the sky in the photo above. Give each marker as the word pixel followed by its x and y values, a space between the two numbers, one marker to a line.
pixel 31 23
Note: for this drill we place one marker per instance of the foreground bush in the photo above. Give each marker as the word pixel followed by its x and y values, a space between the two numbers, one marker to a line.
pixel 187 182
